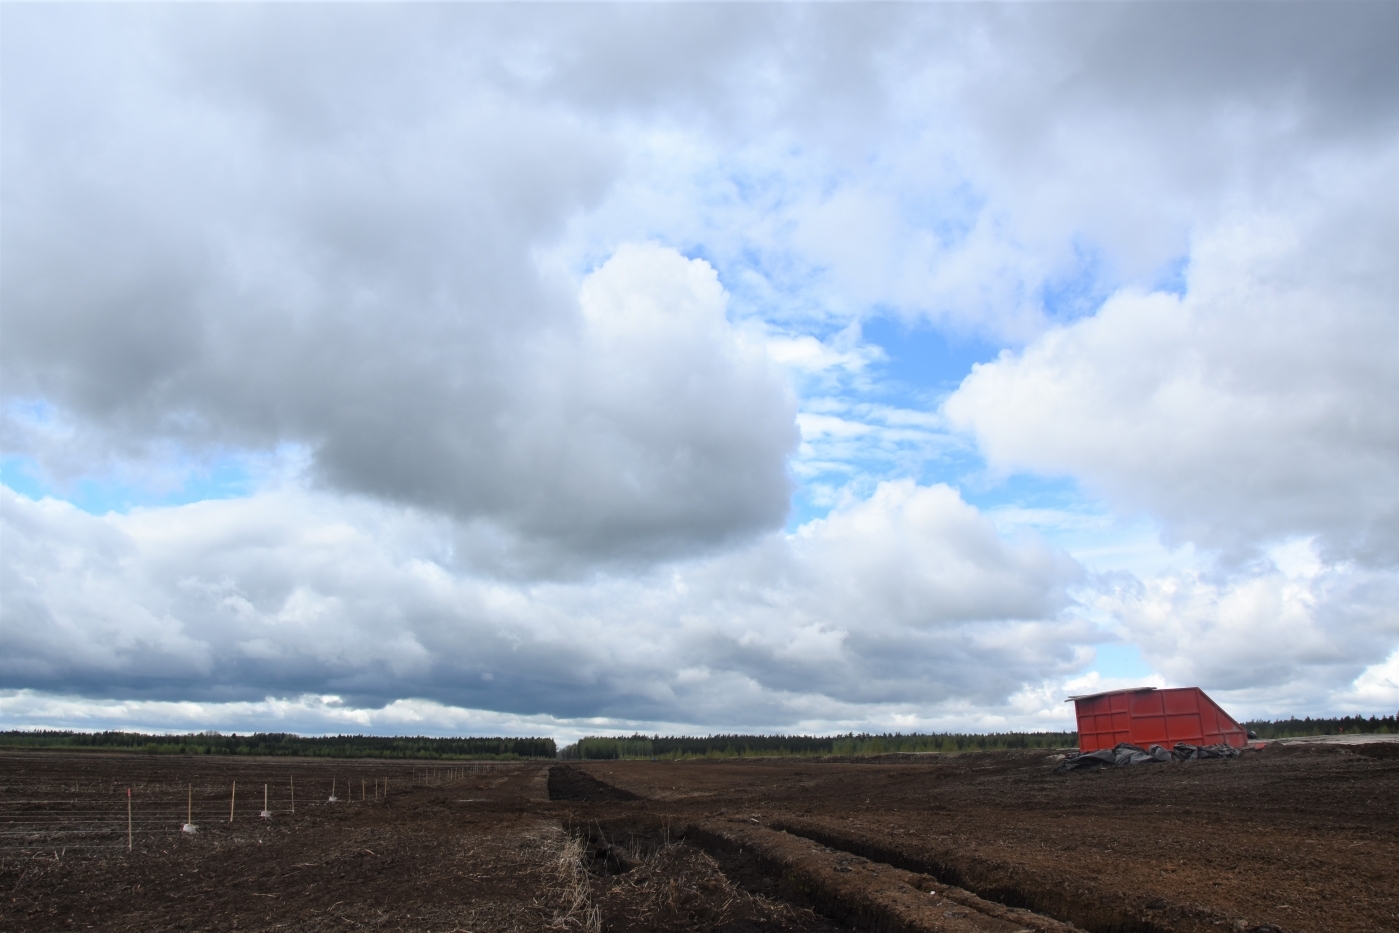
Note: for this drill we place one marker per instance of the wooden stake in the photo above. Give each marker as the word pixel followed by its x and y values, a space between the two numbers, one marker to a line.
pixel 293 793
pixel 266 814
pixel 232 797
pixel 128 819
pixel 189 813
pixel 361 790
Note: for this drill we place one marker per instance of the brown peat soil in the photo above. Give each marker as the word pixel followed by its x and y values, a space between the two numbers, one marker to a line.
pixel 1290 838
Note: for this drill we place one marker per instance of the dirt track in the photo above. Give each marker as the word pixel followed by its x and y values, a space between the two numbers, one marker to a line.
pixel 1291 838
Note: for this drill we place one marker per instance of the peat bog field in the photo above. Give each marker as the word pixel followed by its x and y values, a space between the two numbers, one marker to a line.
pixel 1292 838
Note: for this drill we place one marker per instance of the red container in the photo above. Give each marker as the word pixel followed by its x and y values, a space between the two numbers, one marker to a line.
pixel 1148 716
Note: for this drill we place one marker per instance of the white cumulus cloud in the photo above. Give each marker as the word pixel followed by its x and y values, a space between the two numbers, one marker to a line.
pixel 1253 408
pixel 908 599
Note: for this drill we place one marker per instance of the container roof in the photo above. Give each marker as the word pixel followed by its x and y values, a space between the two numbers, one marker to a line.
pixel 1108 693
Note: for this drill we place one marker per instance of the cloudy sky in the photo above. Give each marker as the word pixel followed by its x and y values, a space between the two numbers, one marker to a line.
pixel 557 370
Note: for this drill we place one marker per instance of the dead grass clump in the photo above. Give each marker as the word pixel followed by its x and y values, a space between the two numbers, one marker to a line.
pixel 675 887
pixel 576 907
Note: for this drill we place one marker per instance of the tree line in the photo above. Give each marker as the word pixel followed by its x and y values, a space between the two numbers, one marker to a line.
pixel 615 747
pixel 286 743
pixel 1342 725
pixel 739 746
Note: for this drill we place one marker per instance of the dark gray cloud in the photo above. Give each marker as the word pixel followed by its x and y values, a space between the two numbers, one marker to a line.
pixel 292 253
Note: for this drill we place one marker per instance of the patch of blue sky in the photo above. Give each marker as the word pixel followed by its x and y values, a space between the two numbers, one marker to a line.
pixel 1058 511
pixel 770 282
pixel 1022 492
pixel 121 490
pixel 47 458
pixel 1172 277
pixel 774 178
pixel 742 212
pixel 809 503
pixel 1120 661
pixel 1101 539
pixel 36 412
pixel 881 421
pixel 772 285
pixel 1080 287
pixel 950 213
pixel 21 475
pixel 921 362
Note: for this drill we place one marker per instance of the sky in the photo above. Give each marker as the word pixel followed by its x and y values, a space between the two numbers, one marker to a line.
pixel 591 369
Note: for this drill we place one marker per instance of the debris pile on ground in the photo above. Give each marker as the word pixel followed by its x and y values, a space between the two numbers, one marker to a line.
pixel 1125 753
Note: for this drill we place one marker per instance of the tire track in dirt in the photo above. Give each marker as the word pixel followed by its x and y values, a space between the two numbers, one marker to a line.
pixel 869 894
pixel 1005 885
pixel 862 892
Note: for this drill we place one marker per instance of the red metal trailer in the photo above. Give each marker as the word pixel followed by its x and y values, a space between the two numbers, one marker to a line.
pixel 1148 716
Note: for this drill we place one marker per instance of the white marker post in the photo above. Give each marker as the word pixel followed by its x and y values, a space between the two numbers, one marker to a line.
pixel 266 814
pixel 333 798
pixel 189 826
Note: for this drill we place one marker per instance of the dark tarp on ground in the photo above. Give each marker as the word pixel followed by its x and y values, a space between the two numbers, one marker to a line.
pixel 1125 753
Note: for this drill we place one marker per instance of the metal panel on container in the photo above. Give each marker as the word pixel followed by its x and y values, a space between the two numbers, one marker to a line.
pixel 1150 716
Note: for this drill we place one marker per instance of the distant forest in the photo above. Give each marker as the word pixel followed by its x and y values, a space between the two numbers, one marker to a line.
pixel 739 746
pixel 1348 725
pixel 283 743
pixel 610 747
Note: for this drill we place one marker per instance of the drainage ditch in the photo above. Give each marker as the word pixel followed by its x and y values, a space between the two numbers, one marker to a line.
pixel 861 884
pixel 569 783
pixel 651 878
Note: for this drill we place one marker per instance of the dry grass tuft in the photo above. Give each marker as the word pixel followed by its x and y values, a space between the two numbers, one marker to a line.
pixel 675 886
pixel 576 907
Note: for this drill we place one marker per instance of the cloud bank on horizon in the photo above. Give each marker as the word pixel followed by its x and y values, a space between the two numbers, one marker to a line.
pixel 458 369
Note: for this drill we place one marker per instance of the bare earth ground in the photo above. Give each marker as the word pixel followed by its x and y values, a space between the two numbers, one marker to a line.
pixel 1291 838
